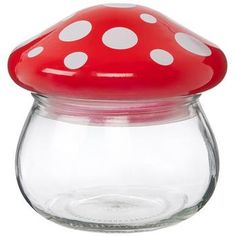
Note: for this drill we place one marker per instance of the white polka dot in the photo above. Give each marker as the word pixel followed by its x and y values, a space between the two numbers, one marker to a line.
pixel 75 31
pixel 35 52
pixel 192 44
pixel 162 57
pixel 120 5
pixel 75 60
pixel 148 18
pixel 120 38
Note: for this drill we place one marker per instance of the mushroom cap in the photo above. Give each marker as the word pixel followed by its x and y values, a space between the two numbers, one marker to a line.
pixel 117 52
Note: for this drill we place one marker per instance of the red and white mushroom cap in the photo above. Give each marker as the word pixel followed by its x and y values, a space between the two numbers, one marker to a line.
pixel 117 51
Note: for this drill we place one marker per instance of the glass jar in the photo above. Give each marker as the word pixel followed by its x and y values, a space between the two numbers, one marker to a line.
pixel 117 166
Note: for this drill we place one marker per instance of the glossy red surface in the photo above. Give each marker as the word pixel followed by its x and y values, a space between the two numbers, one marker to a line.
pixel 118 65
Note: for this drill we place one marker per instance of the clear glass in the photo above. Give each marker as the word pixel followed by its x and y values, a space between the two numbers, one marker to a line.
pixel 117 166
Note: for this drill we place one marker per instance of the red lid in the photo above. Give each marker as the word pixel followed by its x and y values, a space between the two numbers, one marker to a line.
pixel 117 51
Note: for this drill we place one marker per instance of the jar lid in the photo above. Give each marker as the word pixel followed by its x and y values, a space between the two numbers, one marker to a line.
pixel 117 51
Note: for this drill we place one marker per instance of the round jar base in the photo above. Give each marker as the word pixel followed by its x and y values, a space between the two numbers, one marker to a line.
pixel 118 210
pixel 136 168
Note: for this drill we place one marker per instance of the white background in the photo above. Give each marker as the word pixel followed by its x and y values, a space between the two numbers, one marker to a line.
pixel 215 20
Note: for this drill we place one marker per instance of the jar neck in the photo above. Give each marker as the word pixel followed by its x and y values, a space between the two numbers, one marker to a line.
pixel 105 112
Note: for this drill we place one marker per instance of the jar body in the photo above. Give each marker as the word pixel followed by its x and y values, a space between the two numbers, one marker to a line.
pixel 131 168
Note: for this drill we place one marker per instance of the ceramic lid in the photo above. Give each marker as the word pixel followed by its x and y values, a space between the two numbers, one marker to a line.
pixel 117 51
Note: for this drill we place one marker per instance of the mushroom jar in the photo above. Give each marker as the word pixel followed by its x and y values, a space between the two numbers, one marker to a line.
pixel 116 139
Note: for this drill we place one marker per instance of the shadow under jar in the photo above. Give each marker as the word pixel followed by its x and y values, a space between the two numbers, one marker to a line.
pixel 117 165
pixel 116 140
